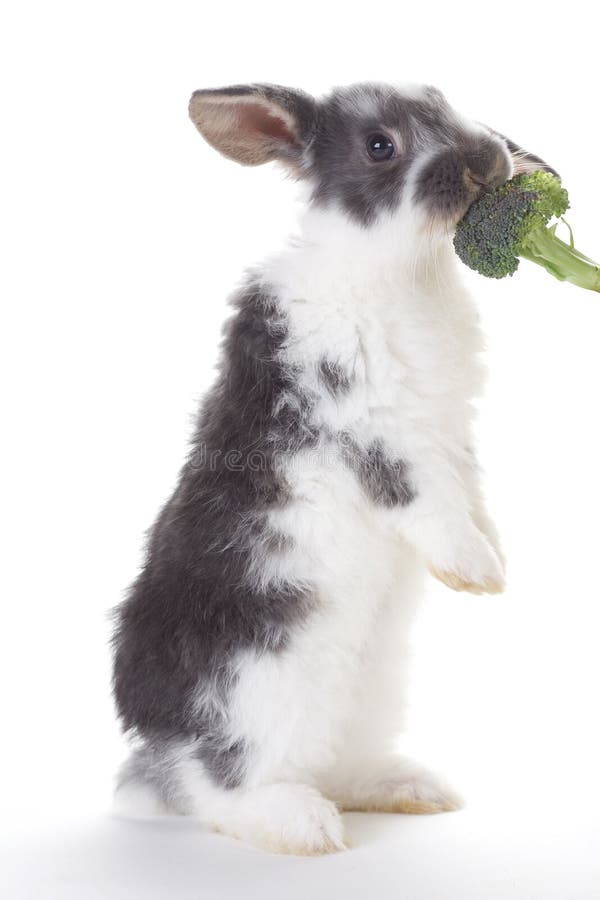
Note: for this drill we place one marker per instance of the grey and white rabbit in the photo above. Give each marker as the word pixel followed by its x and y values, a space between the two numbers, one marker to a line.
pixel 259 654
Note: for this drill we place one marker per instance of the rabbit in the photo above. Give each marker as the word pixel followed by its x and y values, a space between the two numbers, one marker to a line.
pixel 260 655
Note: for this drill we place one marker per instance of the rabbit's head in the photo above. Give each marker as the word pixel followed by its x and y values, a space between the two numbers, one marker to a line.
pixel 369 151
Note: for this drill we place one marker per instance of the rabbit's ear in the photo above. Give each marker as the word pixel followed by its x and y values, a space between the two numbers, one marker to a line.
pixel 255 123
pixel 523 160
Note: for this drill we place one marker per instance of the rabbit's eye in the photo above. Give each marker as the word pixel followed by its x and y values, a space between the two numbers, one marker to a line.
pixel 380 147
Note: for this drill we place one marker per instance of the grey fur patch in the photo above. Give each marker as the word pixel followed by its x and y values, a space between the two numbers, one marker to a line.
pixel 344 174
pixel 154 765
pixel 223 760
pixel 384 479
pixel 198 602
pixel 334 377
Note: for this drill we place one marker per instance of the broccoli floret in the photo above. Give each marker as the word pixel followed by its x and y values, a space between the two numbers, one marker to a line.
pixel 512 222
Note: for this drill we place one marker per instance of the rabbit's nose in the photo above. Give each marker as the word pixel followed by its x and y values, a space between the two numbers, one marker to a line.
pixel 493 176
pixel 480 185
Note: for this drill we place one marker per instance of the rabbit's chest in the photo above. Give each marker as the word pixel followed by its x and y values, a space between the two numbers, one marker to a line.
pixel 420 359
pixel 395 370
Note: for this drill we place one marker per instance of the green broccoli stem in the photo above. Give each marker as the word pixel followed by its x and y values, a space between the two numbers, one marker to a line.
pixel 541 246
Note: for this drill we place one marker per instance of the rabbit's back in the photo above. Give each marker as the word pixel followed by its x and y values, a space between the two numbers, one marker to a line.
pixel 200 599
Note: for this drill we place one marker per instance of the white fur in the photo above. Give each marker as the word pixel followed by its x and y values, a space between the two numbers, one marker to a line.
pixel 386 304
pixel 138 801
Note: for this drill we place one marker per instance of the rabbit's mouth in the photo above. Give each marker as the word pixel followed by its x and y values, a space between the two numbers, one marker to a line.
pixel 520 162
pixel 455 178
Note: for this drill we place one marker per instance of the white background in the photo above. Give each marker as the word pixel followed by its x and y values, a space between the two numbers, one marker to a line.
pixel 122 234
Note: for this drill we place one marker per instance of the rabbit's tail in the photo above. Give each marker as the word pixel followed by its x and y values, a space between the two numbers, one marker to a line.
pixel 147 786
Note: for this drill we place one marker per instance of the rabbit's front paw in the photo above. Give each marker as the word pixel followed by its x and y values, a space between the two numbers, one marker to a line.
pixel 474 566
